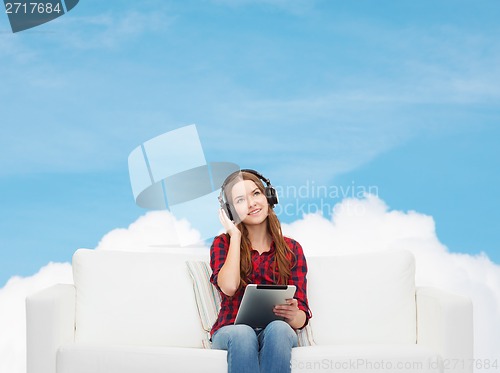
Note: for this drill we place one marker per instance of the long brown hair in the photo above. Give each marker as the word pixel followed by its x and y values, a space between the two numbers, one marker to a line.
pixel 284 257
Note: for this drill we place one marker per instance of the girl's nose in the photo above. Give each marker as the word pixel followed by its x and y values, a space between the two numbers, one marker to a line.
pixel 251 201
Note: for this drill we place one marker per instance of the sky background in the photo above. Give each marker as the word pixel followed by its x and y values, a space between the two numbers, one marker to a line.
pixel 399 97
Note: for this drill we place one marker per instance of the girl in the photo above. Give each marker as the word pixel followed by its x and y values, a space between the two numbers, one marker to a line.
pixel 255 251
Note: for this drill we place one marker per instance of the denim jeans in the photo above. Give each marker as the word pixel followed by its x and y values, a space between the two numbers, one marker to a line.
pixel 249 351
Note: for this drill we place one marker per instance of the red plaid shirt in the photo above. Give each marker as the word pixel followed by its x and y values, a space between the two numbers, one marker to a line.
pixel 262 273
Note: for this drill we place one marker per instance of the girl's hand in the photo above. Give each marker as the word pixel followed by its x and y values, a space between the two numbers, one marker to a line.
pixel 289 311
pixel 228 225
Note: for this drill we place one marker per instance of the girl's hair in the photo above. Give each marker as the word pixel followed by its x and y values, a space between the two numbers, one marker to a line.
pixel 284 257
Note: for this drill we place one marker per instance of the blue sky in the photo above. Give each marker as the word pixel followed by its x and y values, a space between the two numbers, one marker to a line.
pixel 401 95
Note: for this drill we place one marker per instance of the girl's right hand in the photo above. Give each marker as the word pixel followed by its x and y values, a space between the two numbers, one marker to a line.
pixel 228 225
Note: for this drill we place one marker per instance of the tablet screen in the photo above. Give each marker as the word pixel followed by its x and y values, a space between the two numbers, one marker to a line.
pixel 256 308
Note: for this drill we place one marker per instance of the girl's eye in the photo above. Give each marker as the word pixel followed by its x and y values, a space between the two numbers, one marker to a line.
pixel 239 200
pixel 256 193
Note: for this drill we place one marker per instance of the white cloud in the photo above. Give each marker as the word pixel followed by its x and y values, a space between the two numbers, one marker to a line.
pixel 357 225
pixel 361 225
pixel 154 231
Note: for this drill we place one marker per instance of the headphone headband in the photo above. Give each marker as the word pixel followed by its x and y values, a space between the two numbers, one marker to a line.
pixel 258 174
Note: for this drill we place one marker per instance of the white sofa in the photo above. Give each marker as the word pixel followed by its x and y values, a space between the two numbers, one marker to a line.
pixel 132 312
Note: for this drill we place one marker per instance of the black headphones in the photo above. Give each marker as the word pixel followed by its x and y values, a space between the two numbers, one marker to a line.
pixel 269 191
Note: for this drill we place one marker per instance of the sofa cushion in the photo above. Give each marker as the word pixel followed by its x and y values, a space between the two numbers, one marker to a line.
pixel 94 358
pixel 207 297
pixel 363 298
pixel 135 298
pixel 206 294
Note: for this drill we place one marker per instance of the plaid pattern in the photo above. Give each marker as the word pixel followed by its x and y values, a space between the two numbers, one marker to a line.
pixel 262 273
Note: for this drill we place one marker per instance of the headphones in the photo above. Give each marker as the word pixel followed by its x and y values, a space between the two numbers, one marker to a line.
pixel 269 191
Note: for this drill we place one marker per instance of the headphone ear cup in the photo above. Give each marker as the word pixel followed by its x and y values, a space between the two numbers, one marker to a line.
pixel 227 209
pixel 272 196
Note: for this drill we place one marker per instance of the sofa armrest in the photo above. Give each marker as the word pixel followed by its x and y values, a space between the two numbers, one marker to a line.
pixel 50 322
pixel 444 323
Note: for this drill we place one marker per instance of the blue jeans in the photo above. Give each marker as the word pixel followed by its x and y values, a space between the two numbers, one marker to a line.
pixel 268 350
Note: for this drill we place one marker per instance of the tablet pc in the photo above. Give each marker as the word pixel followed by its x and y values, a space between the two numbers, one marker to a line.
pixel 256 308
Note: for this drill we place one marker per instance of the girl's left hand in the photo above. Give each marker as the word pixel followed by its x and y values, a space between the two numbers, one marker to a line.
pixel 289 310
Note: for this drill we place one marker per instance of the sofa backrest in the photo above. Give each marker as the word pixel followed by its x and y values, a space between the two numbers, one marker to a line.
pixel 363 298
pixel 148 299
pixel 135 298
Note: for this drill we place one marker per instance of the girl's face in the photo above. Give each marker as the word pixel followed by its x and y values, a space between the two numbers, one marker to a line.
pixel 249 202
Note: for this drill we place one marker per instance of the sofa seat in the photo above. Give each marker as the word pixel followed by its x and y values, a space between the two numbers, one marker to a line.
pixel 366 358
pixel 93 358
